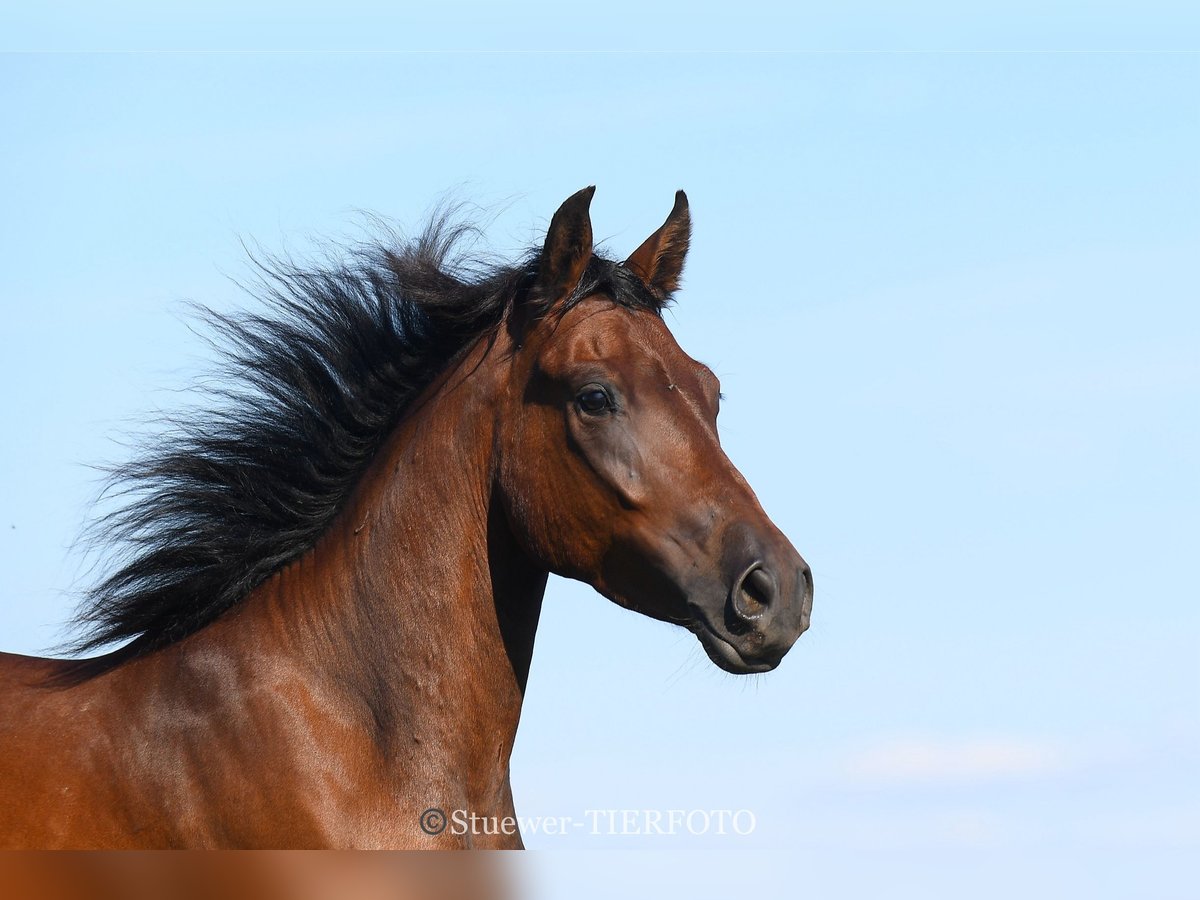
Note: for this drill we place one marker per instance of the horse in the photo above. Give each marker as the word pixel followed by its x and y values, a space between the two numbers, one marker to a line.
pixel 330 579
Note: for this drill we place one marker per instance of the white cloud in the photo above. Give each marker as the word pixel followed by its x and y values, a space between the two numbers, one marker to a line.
pixel 955 760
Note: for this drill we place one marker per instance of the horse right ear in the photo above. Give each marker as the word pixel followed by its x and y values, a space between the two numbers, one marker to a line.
pixel 568 249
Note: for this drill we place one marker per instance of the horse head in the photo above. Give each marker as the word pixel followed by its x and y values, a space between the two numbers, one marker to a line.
pixel 611 468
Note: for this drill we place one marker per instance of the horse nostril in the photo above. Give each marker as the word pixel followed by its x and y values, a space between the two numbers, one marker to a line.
pixel 753 593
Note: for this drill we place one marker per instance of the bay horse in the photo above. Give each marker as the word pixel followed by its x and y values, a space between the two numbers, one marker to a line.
pixel 330 582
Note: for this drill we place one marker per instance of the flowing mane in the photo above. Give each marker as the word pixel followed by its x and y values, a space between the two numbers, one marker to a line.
pixel 308 391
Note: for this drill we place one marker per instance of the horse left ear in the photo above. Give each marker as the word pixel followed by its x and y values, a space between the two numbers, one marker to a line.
pixel 659 261
pixel 568 248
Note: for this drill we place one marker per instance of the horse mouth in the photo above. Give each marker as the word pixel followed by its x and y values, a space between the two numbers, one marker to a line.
pixel 724 653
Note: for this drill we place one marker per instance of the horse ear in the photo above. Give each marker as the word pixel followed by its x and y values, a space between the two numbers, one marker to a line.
pixel 659 261
pixel 568 248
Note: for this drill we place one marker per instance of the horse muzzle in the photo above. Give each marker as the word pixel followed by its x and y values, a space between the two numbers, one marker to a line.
pixel 765 608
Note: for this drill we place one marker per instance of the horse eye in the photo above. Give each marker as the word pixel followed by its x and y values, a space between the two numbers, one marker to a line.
pixel 593 400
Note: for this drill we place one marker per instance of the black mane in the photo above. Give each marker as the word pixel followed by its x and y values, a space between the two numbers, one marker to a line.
pixel 308 391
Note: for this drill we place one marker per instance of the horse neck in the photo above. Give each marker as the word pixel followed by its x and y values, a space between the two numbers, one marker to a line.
pixel 418 603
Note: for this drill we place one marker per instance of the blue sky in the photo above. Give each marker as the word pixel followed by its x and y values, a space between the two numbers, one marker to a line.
pixel 752 25
pixel 952 299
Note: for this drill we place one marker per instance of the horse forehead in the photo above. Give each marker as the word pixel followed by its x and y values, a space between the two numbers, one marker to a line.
pixel 603 331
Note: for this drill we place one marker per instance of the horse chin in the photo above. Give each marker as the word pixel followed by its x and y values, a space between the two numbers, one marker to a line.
pixel 725 654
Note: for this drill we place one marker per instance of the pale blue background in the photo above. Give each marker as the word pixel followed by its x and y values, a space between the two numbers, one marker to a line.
pixel 952 299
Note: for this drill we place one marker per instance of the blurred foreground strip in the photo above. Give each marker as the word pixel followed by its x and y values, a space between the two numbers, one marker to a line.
pixel 232 875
